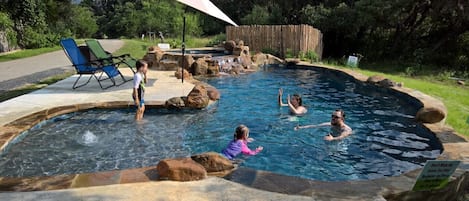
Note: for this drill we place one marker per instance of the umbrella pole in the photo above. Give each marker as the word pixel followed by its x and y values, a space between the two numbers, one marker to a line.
pixel 183 47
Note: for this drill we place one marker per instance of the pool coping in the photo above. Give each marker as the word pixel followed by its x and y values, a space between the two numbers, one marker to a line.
pixel 393 188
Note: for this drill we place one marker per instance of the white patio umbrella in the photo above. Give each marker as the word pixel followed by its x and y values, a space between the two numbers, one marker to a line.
pixel 207 7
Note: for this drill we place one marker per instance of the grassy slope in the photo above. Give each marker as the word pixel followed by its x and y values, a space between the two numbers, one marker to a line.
pixel 137 48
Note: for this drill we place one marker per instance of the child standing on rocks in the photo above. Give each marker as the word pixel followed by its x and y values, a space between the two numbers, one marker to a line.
pixel 140 78
pixel 240 144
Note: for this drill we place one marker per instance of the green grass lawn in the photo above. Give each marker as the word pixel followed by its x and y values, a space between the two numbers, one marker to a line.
pixel 138 48
pixel 455 97
pixel 27 53
pixel 32 52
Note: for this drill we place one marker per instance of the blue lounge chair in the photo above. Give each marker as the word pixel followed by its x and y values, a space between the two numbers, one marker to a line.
pixel 92 68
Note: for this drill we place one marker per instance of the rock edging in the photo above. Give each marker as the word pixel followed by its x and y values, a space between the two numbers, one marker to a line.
pixel 194 168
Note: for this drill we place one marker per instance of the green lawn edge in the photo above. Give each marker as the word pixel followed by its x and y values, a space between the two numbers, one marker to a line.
pixel 21 54
pixel 455 97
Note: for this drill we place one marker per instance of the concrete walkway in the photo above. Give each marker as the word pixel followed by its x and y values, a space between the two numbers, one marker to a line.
pixel 212 188
pixel 18 72
pixel 161 86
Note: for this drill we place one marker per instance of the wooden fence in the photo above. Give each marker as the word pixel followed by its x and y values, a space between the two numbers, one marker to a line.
pixel 279 38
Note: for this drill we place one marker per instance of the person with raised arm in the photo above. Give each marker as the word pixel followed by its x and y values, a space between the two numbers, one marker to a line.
pixel 295 103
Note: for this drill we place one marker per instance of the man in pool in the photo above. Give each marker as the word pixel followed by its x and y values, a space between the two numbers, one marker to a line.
pixel 339 130
pixel 294 103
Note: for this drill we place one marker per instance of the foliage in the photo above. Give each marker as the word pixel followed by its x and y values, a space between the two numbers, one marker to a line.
pixel 259 15
pixel 270 51
pixel 131 19
pixel 84 23
pixel 217 39
pixel 289 53
pixel 6 25
pixel 41 23
pixel 312 56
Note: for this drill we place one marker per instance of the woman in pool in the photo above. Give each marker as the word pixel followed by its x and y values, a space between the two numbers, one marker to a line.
pixel 294 103
pixel 240 144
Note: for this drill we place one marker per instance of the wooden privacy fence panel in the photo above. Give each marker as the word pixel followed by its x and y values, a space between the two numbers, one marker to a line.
pixel 280 38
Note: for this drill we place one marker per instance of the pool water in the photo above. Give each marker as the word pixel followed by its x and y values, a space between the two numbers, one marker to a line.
pixel 386 140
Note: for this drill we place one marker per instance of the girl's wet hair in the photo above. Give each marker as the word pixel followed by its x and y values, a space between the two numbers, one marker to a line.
pixel 240 132
pixel 140 63
pixel 298 98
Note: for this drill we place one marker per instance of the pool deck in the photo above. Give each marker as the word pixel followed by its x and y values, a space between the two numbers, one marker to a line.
pixel 161 86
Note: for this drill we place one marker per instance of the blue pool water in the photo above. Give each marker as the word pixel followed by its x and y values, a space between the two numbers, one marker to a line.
pixel 386 141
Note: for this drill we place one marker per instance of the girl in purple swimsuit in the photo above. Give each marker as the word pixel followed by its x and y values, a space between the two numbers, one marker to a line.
pixel 240 144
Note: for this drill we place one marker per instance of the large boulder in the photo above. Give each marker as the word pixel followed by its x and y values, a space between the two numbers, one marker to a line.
pixel 375 79
pixel 153 56
pixel 213 93
pixel 386 83
pixel 213 162
pixel 271 59
pixel 188 60
pixel 167 65
pixel 200 67
pixel 431 115
pixel 236 69
pixel 229 45
pixel 184 169
pixel 241 51
pixel 259 59
pixel 213 67
pixel 197 98
pixel 245 61
pixel 175 103
pixel 179 74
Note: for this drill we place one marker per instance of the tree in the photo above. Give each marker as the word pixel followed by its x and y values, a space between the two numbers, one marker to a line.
pixel 84 23
pixel 6 26
pixel 259 15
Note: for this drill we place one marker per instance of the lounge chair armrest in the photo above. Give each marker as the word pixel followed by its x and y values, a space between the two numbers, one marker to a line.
pixel 122 56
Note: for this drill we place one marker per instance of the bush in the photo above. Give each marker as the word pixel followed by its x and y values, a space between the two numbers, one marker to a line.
pixel 270 51
pixel 217 39
pixel 289 53
pixel 6 24
pixel 312 56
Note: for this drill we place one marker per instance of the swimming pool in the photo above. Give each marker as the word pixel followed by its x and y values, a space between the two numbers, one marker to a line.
pixel 386 140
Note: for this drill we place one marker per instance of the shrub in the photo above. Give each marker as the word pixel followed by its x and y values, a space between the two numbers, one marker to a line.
pixel 289 53
pixel 312 56
pixel 217 39
pixel 270 51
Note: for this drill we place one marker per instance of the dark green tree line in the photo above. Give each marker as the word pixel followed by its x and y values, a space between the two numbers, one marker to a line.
pixel 419 31
pixel 41 23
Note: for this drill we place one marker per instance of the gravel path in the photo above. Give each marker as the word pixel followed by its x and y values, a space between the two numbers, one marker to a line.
pixel 20 72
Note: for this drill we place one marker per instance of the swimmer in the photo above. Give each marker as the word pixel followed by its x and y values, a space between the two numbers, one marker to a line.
pixel 240 144
pixel 339 130
pixel 295 103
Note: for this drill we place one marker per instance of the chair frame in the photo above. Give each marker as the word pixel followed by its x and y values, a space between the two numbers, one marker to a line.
pixel 123 59
pixel 93 67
